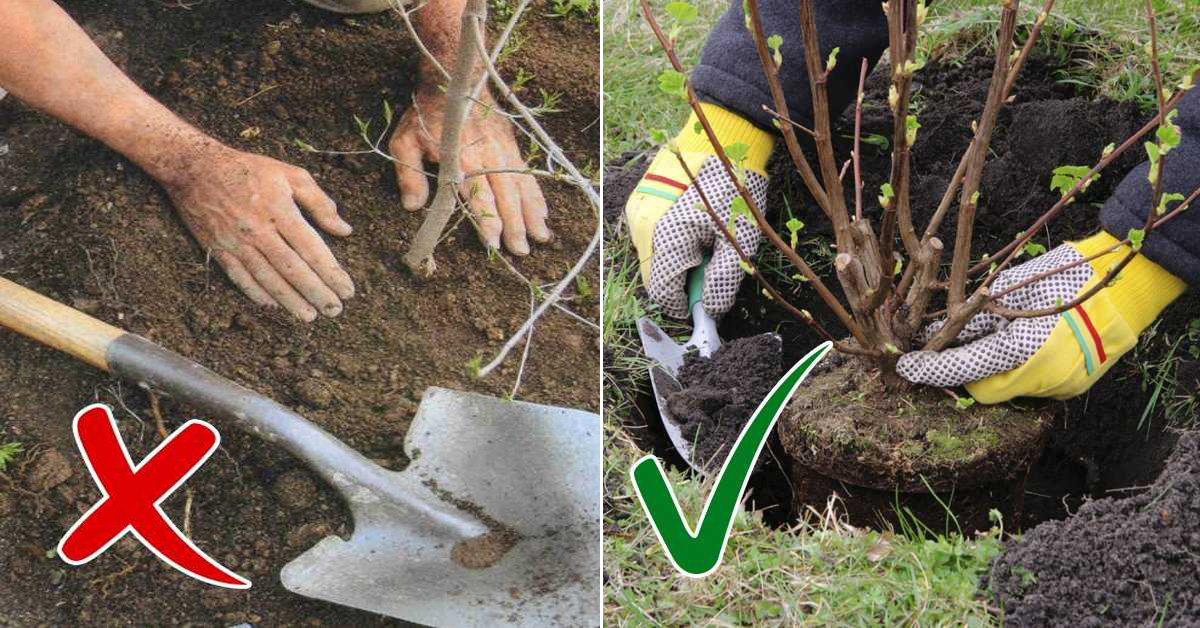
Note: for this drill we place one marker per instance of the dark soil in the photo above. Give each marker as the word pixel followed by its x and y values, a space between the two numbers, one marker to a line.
pixel 1117 562
pixel 721 392
pixel 84 226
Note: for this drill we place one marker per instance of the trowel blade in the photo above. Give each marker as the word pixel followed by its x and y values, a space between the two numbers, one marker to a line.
pixel 664 373
pixel 536 469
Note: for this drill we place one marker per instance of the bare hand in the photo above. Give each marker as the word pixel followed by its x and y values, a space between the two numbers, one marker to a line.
pixel 245 210
pixel 509 204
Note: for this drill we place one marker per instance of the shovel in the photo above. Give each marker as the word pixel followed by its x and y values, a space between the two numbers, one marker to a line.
pixel 668 359
pixel 495 522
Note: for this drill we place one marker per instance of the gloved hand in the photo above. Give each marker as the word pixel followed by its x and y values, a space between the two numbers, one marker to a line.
pixel 1058 356
pixel 670 228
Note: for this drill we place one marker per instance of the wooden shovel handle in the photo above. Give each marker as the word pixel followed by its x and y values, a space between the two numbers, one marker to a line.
pixel 52 323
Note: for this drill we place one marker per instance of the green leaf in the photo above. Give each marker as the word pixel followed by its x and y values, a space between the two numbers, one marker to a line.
pixel 794 225
pixel 387 112
pixel 1033 249
pixel 1135 237
pixel 911 125
pixel 774 42
pixel 737 152
pixel 1152 152
pixel 363 125
pixel 875 139
pixel 1168 135
pixel 671 82
pixel 1166 199
pixel 1067 177
pixel 659 136
pixel 887 190
pixel 963 403
pixel 682 12
pixel 831 62
pixel 738 207
pixel 899 266
pixel 305 146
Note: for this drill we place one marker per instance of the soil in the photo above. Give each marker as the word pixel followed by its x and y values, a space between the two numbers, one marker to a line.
pixel 845 424
pixel 1117 562
pixel 82 225
pixel 484 550
pixel 720 393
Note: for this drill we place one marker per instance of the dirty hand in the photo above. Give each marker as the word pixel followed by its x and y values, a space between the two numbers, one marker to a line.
pixel 245 210
pixel 503 203
pixel 1060 355
pixel 670 227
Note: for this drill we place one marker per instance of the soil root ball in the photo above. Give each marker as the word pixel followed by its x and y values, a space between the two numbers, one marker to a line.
pixel 1131 561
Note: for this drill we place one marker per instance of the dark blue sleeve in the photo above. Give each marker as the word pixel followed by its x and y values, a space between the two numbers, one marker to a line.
pixel 731 76
pixel 1176 245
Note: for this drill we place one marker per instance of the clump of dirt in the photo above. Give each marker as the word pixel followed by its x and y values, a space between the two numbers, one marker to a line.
pixel 844 423
pixel 485 550
pixel 84 226
pixel 720 392
pixel 1127 562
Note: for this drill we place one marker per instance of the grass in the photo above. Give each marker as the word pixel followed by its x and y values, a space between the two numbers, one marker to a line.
pixel 821 571
pixel 1115 66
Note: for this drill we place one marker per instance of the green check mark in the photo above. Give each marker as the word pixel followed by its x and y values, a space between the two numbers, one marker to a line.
pixel 697 554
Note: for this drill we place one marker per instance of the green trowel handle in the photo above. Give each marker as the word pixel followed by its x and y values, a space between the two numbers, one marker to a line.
pixel 695 282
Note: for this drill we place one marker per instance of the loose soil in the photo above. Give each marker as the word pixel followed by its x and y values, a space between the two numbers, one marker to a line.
pixel 1116 562
pixel 720 393
pixel 84 226
pixel 1100 442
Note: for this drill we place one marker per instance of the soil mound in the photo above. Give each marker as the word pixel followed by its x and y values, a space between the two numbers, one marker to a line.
pixel 721 392
pixel 1132 561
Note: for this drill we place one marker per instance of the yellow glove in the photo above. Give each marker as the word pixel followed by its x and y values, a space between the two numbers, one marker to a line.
pixel 669 226
pixel 1058 356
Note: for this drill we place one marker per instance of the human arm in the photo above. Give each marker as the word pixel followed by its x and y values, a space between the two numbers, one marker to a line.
pixel 243 209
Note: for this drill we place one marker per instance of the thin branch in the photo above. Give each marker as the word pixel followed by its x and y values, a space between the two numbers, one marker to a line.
pixel 419 257
pixel 789 135
pixel 961 258
pixel 858 103
pixel 822 290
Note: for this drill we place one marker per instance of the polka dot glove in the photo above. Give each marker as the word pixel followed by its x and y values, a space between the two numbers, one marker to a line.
pixel 1058 356
pixel 670 227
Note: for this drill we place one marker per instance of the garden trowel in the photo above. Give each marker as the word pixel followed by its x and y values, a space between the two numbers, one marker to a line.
pixel 668 359
pixel 496 521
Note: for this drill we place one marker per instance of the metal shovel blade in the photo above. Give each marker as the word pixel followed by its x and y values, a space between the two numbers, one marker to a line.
pixel 664 379
pixel 536 469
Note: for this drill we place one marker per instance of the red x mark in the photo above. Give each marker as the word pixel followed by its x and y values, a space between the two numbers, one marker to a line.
pixel 132 494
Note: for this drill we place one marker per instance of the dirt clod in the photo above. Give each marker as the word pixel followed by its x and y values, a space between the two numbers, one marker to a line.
pixel 315 393
pixel 485 550
pixel 721 392
pixel 295 490
pixel 48 471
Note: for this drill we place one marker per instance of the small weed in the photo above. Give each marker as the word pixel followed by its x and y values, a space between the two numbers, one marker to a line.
pixel 8 452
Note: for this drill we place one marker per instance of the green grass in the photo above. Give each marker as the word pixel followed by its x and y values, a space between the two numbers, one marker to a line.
pixel 823 572
pixel 1115 66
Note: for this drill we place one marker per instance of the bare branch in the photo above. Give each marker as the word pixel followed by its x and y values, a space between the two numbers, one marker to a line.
pixel 978 156
pixel 419 257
